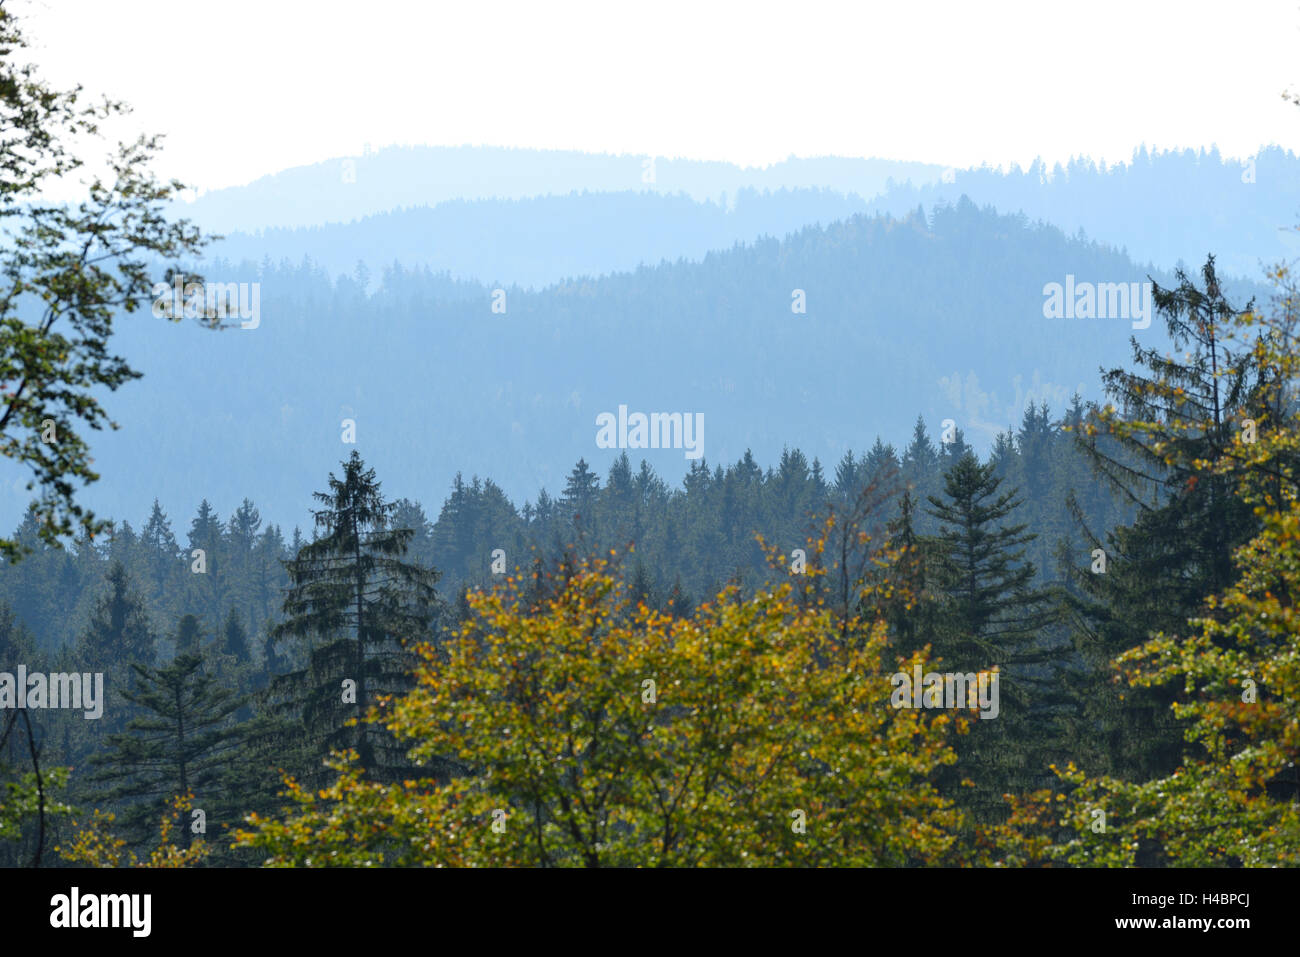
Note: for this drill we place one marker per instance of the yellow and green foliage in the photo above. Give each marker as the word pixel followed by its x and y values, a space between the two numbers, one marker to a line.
pixel 597 734
pixel 1235 799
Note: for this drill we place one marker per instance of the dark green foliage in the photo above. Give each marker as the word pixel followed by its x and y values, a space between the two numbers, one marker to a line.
pixel 990 616
pixel 235 638
pixel 16 643
pixel 189 636
pixel 352 606
pixel 1178 550
pixel 181 743
pixel 87 603
pixel 119 635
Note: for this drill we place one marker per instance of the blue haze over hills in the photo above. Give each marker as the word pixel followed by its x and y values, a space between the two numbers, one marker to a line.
pixel 669 299
pixel 533 217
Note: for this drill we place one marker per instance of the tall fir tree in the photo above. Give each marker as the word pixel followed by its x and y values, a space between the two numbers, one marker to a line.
pixel 1170 412
pixel 920 463
pixel 208 579
pixel 119 631
pixel 189 636
pixel 234 637
pixel 355 603
pixel 580 495
pixel 162 555
pixel 992 617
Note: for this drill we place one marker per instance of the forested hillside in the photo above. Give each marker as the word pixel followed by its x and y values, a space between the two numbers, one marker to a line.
pixel 941 316
pixel 677 547
pixel 691 537
pixel 1042 562
pixel 489 508
pixel 1160 206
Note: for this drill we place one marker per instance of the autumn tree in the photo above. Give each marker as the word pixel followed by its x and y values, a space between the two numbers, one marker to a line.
pixel 1234 797
pixel 745 735
pixel 1167 415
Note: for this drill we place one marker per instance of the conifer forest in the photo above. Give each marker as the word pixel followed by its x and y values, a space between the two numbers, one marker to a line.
pixel 452 481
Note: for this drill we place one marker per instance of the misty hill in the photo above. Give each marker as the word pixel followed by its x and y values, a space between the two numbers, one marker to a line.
pixel 347 188
pixel 1160 207
pixel 943 318
pixel 541 240
pixel 1145 207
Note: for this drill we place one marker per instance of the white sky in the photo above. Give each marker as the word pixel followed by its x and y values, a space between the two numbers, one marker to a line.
pixel 247 87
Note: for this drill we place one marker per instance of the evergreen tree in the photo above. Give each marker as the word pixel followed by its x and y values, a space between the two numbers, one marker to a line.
pixel 951 452
pixel 241 539
pixel 1173 411
pixel 880 465
pixel 243 527
pixel 909 609
pixel 205 530
pixel 463 610
pixel 162 554
pixel 991 617
pixel 580 494
pixel 119 628
pixel 641 586
pixel 270 577
pixel 920 460
pixel 409 514
pixel 189 636
pixel 354 602
pixel 180 744
pixel 618 486
pixel 235 638
pixel 679 603
pixel 271 659
pixel 16 642
pixel 846 476
pixel 208 583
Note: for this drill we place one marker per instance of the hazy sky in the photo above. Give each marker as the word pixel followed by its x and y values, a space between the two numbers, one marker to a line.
pixel 247 87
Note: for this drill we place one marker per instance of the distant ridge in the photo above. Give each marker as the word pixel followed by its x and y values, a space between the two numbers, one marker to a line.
pixel 560 215
pixel 394 177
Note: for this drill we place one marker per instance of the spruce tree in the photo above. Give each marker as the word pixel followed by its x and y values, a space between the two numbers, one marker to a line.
pixel 846 477
pixel 641 588
pixel 189 636
pixel 1169 413
pixel 235 638
pixel 119 627
pixel 909 606
pixel 580 495
pixel 16 642
pixel 119 632
pixel 920 460
pixel 991 616
pixel 161 556
pixel 207 577
pixel 354 603
pixel 181 743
